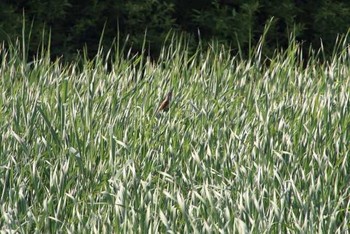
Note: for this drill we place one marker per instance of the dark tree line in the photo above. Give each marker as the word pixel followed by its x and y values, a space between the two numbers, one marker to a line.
pixel 238 23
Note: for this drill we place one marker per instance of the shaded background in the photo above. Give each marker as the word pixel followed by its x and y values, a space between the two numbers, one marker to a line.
pixel 74 24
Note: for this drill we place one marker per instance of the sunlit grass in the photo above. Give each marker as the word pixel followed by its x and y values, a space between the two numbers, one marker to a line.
pixel 245 147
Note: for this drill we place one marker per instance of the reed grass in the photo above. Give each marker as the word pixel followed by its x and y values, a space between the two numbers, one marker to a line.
pixel 245 146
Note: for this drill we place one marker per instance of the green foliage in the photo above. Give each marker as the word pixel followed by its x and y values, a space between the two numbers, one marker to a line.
pixel 154 16
pixel 10 22
pixel 331 18
pixel 228 24
pixel 74 24
pixel 246 147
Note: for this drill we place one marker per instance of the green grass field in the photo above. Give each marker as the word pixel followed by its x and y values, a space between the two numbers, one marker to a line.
pixel 245 147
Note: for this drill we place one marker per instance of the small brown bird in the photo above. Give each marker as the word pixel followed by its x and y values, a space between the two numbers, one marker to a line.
pixel 165 104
